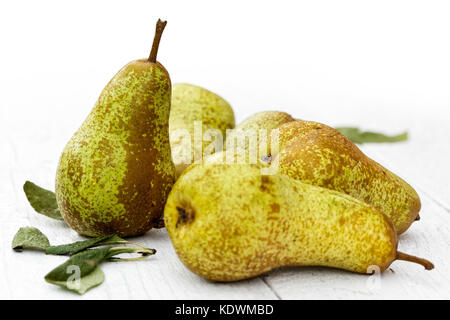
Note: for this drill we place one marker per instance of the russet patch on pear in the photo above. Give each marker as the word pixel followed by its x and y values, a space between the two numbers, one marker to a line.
pixel 116 172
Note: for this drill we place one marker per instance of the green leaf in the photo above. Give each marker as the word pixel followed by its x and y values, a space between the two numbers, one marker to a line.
pixel 85 262
pixel 358 136
pixel 42 200
pixel 83 284
pixel 73 248
pixel 30 238
pixel 82 264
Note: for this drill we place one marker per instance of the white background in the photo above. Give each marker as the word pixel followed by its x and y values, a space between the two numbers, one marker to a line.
pixel 381 65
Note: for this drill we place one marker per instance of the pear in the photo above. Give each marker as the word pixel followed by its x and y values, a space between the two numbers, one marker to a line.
pixel 241 137
pixel 320 155
pixel 214 115
pixel 116 172
pixel 229 222
pixel 265 120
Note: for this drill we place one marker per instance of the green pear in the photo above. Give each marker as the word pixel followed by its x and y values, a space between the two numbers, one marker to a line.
pixel 229 222
pixel 116 172
pixel 265 120
pixel 241 137
pixel 320 155
pixel 191 106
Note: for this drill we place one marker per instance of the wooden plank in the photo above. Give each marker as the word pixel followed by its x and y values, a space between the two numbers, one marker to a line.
pixel 160 277
pixel 31 152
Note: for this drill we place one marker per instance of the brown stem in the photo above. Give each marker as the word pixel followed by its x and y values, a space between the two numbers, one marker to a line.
pixel 158 223
pixel 417 218
pixel 406 257
pixel 160 25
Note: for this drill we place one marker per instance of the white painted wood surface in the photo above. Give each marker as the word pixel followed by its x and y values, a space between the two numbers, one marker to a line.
pixel 32 152
pixel 324 61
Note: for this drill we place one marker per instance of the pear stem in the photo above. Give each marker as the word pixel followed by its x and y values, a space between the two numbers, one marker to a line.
pixel 406 257
pixel 160 25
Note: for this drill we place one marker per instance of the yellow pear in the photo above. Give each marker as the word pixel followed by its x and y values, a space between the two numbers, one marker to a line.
pixel 229 222
pixel 320 155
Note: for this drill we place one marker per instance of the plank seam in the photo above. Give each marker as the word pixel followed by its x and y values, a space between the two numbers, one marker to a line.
pixel 270 288
pixel 434 200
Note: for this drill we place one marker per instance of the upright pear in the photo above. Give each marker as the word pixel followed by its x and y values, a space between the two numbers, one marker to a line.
pixel 195 106
pixel 320 155
pixel 116 171
pixel 229 222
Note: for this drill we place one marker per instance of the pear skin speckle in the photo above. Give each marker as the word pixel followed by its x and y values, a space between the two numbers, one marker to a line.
pixel 267 120
pixel 227 222
pixel 116 172
pixel 191 103
pixel 319 155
